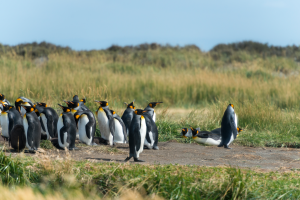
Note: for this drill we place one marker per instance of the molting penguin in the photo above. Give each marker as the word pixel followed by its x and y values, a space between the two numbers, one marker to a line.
pixel 106 122
pixel 48 119
pixel 150 109
pixel 128 115
pixel 120 135
pixel 22 101
pixel 228 127
pixel 66 129
pixel 86 126
pixel 16 133
pixel 32 127
pixel 137 134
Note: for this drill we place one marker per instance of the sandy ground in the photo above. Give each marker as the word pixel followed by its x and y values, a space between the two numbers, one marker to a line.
pixel 265 159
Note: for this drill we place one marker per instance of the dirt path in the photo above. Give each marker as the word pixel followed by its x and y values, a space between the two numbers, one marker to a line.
pixel 191 154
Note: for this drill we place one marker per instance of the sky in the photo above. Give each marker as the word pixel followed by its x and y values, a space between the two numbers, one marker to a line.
pixel 98 24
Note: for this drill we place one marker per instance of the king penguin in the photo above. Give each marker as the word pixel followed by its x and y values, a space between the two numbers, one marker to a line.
pixel 32 127
pixel 186 132
pixel 150 109
pixel 206 137
pixel 22 101
pixel 228 127
pixel 66 129
pixel 86 126
pixel 128 115
pixel 151 139
pixel 106 122
pixel 15 132
pixel 2 98
pixel 48 119
pixel 120 135
pixel 137 134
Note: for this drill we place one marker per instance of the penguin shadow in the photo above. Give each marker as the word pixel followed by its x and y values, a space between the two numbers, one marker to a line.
pixel 106 159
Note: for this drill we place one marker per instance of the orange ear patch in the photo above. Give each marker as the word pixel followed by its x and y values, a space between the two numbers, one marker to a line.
pixel 31 109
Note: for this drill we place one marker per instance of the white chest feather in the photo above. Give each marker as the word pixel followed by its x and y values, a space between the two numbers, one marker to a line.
pixel 82 131
pixel 104 125
pixel 45 121
pixel 5 124
pixel 143 129
pixel 118 136
pixel 60 125
pixel 208 141
pixel 154 116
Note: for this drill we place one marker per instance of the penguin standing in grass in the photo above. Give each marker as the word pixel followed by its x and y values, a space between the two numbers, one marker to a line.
pixel 128 115
pixel 150 109
pixel 137 134
pixel 106 122
pixel 66 129
pixel 229 127
pixel 32 127
pixel 120 135
pixel 48 119
pixel 13 126
pixel 22 101
pixel 86 126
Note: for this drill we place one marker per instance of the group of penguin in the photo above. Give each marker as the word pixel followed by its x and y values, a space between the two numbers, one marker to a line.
pixel 220 137
pixel 26 123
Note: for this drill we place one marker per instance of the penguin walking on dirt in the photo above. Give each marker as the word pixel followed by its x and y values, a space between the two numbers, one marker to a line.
pixel 150 109
pixel 137 134
pixel 128 115
pixel 120 135
pixel 229 127
pixel 22 101
pixel 32 127
pixel 66 129
pixel 48 119
pixel 106 122
pixel 86 126
pixel 13 128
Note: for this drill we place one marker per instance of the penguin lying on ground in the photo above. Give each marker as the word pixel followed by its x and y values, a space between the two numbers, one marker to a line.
pixel 137 134
pixel 186 132
pixel 229 127
pixel 120 135
pixel 150 109
pixel 48 119
pixel 22 101
pixel 106 122
pixel 13 127
pixel 32 127
pixel 128 115
pixel 86 126
pixel 66 129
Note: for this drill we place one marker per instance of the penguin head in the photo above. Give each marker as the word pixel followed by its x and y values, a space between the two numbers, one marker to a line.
pixel 195 131
pixel 65 109
pixel 72 104
pixel 2 97
pixel 184 132
pixel 140 111
pixel 83 100
pixel 131 106
pixel 4 107
pixel 231 105
pixel 112 112
pixel 42 104
pixel 102 103
pixel 28 109
pixel 36 112
pixel 75 99
pixel 153 104
pixel 239 130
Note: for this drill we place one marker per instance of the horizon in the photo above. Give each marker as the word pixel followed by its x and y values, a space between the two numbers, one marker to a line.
pixel 97 25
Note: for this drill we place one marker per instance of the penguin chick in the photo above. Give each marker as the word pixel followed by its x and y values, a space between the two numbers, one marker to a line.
pixel 150 109
pixel 228 127
pixel 128 115
pixel 137 134
pixel 32 128
pixel 120 135
pixel 106 122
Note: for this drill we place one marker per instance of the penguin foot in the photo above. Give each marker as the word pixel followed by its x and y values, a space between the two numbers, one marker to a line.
pixel 155 148
pixel 147 147
pixel 94 144
pixel 127 159
pixel 137 160
pixel 74 148
pixel 226 147
pixel 220 145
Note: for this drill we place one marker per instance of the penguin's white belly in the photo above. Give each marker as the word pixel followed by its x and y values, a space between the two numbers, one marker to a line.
pixel 150 143
pixel 60 124
pixel 82 130
pixel 118 136
pixel 25 124
pixel 5 124
pixel 44 120
pixel 104 126
pixel 143 129
pixel 231 139
pixel 235 120
pixel 208 141
pixel 154 116
pixel 42 131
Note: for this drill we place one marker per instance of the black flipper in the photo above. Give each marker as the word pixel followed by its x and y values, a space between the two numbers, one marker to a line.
pixel 50 126
pixel 18 138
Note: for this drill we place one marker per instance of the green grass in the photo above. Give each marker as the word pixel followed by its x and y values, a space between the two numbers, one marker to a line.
pixel 70 178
